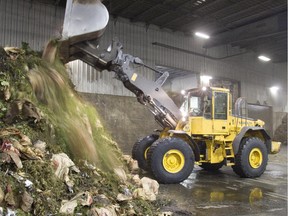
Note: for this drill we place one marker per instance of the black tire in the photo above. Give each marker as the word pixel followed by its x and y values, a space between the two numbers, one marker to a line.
pixel 178 150
pixel 211 167
pixel 140 148
pixel 245 163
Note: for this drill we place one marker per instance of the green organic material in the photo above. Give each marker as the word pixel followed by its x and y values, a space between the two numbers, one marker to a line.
pixel 74 120
pixel 37 100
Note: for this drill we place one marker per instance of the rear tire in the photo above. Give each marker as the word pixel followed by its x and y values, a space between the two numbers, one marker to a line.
pixel 211 167
pixel 171 160
pixel 251 159
pixel 140 149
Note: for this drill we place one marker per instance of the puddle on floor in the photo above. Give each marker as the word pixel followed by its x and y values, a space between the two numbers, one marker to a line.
pixel 223 193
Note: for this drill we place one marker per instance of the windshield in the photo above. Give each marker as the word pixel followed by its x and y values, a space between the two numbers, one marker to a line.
pixel 197 103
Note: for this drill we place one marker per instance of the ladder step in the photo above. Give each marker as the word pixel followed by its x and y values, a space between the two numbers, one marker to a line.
pixel 229 156
pixel 230 164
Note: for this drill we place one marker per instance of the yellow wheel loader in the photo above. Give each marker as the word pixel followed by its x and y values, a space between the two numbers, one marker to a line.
pixel 204 130
pixel 216 137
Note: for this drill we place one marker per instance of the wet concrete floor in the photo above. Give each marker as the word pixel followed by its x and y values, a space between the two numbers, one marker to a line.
pixel 224 193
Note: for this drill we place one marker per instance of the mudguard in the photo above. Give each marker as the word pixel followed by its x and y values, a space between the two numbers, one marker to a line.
pixel 240 136
pixel 191 143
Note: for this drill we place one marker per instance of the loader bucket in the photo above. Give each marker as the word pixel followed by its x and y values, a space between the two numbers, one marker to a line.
pixel 84 20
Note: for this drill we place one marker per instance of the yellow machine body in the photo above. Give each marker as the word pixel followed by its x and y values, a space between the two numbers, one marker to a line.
pixel 217 129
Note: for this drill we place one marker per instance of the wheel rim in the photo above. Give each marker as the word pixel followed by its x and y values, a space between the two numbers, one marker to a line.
pixel 255 158
pixel 146 153
pixel 173 161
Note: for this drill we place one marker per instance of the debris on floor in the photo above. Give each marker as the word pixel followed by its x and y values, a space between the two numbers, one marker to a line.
pixel 149 189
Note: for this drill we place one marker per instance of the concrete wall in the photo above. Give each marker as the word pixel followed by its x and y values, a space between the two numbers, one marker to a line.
pixel 125 118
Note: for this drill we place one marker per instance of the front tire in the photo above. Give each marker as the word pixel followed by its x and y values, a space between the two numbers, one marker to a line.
pixel 251 159
pixel 171 160
pixel 140 149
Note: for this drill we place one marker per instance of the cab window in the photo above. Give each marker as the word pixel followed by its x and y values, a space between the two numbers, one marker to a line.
pixel 207 107
pixel 220 107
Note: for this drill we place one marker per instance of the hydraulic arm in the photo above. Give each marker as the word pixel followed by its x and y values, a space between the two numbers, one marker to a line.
pixel 83 43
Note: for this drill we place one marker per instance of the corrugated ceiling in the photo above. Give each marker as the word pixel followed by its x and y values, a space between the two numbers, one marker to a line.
pixel 257 25
pixel 224 20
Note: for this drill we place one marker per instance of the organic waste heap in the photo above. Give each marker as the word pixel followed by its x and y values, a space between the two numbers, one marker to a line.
pixel 45 124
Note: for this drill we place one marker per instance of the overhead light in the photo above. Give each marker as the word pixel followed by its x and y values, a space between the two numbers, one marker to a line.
pixel 264 58
pixel 205 81
pixel 274 89
pixel 183 92
pixel 202 35
pixel 205 78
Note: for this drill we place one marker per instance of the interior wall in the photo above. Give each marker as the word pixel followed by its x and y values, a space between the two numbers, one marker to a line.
pixel 35 23
pixel 29 21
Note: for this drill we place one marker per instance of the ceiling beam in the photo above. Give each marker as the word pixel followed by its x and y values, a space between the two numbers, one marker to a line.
pixel 116 6
pixel 177 19
pixel 255 17
pixel 265 47
pixel 180 12
pixel 277 51
pixel 137 17
pixel 261 36
pixel 235 5
pixel 168 9
pixel 241 22
pixel 269 47
pixel 211 17
pixel 211 4
pixel 135 2
pixel 267 27
pixel 127 9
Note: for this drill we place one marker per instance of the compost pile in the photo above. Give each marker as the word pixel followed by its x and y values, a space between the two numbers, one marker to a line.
pixel 55 156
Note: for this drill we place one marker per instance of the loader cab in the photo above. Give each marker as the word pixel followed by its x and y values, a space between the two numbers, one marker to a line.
pixel 208 110
pixel 198 103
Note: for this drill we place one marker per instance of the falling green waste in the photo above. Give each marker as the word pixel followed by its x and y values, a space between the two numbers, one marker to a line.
pixel 45 127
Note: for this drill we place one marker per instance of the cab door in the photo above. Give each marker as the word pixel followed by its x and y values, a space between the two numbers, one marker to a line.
pixel 220 112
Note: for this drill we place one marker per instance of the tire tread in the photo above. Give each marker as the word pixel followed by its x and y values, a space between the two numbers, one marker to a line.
pixel 239 167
